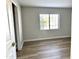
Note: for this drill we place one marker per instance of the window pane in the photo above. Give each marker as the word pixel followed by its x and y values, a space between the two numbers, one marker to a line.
pixel 54 21
pixel 44 21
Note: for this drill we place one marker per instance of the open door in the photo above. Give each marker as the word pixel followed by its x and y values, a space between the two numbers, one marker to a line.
pixel 10 42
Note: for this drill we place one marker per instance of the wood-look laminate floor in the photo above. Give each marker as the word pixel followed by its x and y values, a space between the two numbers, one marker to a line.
pixel 46 49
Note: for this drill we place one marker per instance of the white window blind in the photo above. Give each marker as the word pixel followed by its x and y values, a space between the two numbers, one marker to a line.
pixel 54 18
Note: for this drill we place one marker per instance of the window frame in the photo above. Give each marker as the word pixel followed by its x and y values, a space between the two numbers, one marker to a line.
pixel 49 21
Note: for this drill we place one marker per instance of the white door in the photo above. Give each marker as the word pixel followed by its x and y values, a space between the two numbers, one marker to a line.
pixel 10 42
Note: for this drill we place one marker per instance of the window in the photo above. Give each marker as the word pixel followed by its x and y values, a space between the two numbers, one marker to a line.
pixel 44 21
pixel 54 18
pixel 49 21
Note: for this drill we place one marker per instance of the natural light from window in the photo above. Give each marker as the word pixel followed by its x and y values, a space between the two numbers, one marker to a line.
pixel 49 21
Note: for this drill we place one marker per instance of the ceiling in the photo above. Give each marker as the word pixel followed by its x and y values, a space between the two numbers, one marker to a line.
pixel 46 3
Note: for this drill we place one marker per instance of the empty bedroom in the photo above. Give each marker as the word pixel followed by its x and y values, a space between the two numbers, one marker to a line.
pixel 46 26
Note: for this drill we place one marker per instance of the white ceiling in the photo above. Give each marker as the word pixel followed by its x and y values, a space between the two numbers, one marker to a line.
pixel 46 3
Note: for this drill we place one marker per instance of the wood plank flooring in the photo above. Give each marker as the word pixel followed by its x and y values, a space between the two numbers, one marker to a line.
pixel 46 49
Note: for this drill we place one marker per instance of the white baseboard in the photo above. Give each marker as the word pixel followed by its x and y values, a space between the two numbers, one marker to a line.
pixel 46 38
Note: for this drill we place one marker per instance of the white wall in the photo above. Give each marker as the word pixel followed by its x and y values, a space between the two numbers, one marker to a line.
pixel 31 24
pixel 19 26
